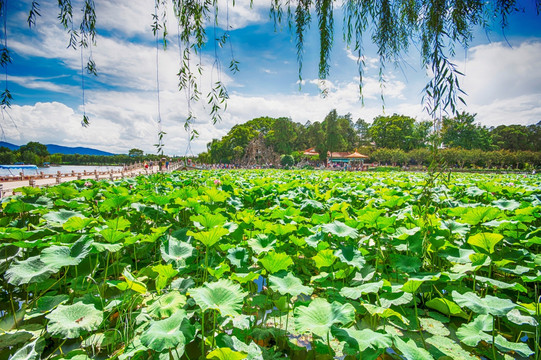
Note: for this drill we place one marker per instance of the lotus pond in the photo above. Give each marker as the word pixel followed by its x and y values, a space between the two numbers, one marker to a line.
pixel 273 264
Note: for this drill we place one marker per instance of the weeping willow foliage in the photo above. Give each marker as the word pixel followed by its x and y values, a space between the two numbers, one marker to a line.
pixel 432 27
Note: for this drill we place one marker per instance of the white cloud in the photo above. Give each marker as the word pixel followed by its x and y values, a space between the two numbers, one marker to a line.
pixel 369 62
pixel 503 83
pixel 33 82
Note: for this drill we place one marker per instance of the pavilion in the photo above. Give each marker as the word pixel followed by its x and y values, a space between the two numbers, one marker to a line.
pixel 337 157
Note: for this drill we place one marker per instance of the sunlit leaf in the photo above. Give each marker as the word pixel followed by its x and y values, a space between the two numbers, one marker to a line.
pixel 165 334
pixel 222 295
pixel 287 283
pixel 274 262
pixel 70 321
pixel 319 316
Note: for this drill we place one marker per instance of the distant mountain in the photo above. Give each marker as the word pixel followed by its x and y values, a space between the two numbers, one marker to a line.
pixel 59 149
pixel 8 145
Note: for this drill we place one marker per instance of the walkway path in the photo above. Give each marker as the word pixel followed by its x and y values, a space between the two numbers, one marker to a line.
pixel 7 186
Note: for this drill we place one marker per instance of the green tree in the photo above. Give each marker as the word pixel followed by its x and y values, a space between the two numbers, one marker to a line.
pixel 137 153
pixel 511 137
pixel 333 137
pixel 287 160
pixel 461 131
pixel 56 158
pixel 283 136
pixel 396 131
pixel 362 127
pixel 534 136
pixel 7 156
pixel 36 148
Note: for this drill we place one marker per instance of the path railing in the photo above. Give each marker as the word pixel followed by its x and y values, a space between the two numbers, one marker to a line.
pixel 10 183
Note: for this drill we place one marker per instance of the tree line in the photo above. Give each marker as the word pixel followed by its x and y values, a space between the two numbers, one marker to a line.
pixel 37 154
pixel 394 139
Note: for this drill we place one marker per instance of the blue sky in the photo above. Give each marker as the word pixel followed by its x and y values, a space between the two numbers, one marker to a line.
pixel 503 78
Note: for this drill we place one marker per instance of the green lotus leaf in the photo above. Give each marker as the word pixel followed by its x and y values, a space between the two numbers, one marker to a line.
pixel 340 229
pixel 311 205
pixel 165 334
pixel 474 191
pixel 99 340
pixel 176 251
pixel 134 349
pixel 287 283
pixel 517 318
pixel 485 242
pixel 253 351
pixel 211 237
pixel 222 295
pixel 274 262
pixel 31 270
pixel 31 351
pixel 60 256
pixel 415 281
pixel 324 258
pixel 480 214
pixel 447 307
pixel 502 285
pixel 351 256
pixel 118 223
pixel 238 257
pixel 411 351
pixel 61 216
pixel 167 304
pixel 407 264
pixel 208 220
pixel 45 304
pixel 505 204
pixel 101 247
pixel 507 346
pixel 262 243
pixel 388 299
pixel 473 332
pixel 13 338
pixel 456 227
pixel 365 274
pixel 165 273
pixel 433 326
pixel 219 270
pixel 356 292
pixel 488 305
pixel 77 223
pixel 71 321
pixel 132 283
pixel 18 206
pixel 226 354
pixel 114 202
pixel 315 239
pixel 112 235
pixel 215 196
pixel 243 278
pixel 281 229
pixel 450 348
pixel 319 316
pixel 362 339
